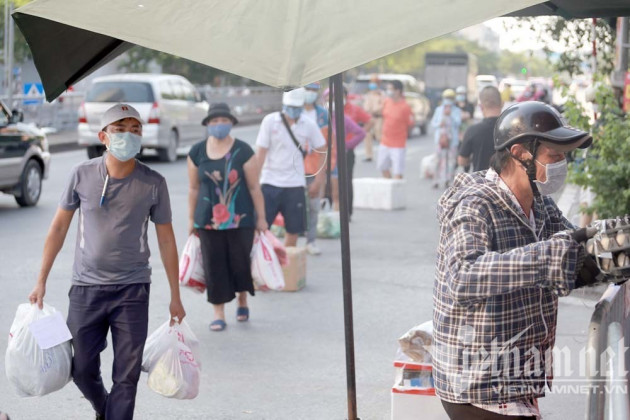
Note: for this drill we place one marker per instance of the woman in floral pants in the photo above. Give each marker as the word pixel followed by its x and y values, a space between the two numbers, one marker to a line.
pixel 225 208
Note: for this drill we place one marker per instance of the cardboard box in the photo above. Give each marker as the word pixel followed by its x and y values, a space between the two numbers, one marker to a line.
pixel 295 271
pixel 379 193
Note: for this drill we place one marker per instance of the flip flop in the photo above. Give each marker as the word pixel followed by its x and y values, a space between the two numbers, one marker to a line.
pixel 219 325
pixel 242 314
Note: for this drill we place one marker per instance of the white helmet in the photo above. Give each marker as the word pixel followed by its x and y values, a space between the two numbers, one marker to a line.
pixel 460 90
pixel 294 97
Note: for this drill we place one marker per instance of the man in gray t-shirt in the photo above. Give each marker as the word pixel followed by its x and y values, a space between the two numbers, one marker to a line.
pixel 116 197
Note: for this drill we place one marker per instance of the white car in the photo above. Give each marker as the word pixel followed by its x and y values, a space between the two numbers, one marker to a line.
pixel 169 105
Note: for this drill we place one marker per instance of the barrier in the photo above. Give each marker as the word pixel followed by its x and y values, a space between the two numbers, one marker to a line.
pixel 606 365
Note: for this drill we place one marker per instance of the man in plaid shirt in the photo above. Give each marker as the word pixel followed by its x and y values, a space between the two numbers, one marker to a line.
pixel 506 253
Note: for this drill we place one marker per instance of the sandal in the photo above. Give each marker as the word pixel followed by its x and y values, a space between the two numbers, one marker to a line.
pixel 242 314
pixel 217 325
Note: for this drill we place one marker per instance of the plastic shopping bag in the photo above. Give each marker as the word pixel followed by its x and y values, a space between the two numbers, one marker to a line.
pixel 278 248
pixel 427 166
pixel 416 343
pixel 266 269
pixel 174 367
pixel 32 370
pixel 154 346
pixel 328 224
pixel 191 273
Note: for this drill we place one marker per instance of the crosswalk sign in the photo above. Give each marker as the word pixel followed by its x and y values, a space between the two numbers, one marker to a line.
pixel 33 93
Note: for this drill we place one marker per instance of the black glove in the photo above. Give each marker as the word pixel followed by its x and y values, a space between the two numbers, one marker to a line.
pixel 583 234
pixel 590 273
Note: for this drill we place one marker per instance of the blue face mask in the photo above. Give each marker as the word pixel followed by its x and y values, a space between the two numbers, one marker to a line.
pixel 373 86
pixel 219 131
pixel 460 98
pixel 310 97
pixel 124 146
pixel 292 112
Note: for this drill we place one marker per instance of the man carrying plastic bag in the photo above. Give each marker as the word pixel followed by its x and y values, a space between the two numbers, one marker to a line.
pixel 31 369
pixel 116 196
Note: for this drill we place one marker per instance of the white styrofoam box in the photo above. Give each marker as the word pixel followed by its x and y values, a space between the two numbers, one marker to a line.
pixel 379 193
pixel 415 404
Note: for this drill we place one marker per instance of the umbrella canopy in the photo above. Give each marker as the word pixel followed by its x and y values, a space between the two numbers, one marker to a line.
pixel 282 43
pixel 578 9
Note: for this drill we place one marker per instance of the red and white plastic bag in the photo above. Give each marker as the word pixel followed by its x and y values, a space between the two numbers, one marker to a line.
pixel 266 267
pixel 191 272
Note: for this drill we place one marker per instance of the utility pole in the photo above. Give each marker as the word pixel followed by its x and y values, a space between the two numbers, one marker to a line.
pixel 8 52
pixel 621 65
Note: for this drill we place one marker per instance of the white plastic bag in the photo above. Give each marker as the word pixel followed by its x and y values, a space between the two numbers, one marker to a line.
pixel 31 370
pixel 328 223
pixel 416 343
pixel 266 269
pixel 171 358
pixel 159 339
pixel 427 166
pixel 191 273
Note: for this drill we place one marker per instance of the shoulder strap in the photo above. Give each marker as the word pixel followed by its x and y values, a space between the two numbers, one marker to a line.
pixel 297 144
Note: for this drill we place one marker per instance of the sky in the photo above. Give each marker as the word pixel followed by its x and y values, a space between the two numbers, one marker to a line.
pixel 515 38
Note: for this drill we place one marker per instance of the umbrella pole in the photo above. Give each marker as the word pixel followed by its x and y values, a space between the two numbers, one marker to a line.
pixel 336 83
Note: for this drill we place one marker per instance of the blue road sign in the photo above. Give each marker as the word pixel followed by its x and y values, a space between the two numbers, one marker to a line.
pixel 33 93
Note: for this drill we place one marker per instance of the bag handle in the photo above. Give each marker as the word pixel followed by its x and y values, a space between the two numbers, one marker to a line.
pixel 297 144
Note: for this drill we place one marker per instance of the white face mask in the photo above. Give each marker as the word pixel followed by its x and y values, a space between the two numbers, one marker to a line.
pixel 556 174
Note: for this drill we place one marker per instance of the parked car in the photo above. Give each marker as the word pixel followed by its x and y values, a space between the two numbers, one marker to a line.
pixel 413 91
pixel 169 105
pixel 24 158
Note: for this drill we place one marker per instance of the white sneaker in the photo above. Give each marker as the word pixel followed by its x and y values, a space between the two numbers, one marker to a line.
pixel 312 249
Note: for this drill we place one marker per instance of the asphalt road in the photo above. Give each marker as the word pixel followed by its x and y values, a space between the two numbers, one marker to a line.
pixel 288 362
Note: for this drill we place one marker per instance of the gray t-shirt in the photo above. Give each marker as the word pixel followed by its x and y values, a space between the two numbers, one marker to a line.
pixel 112 243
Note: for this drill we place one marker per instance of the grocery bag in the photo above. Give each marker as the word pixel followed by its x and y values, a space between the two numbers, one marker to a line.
pixel 31 370
pixel 191 273
pixel 266 269
pixel 427 166
pixel 174 367
pixel 328 225
pixel 278 248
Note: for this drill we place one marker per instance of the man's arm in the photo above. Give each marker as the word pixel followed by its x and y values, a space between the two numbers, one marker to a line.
pixel 168 252
pixel 475 272
pixel 54 241
pixel 463 158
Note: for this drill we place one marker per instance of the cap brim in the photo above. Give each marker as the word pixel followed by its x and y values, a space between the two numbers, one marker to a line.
pixel 565 139
pixel 119 119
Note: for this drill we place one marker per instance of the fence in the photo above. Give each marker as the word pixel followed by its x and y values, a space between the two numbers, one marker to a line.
pixel 606 368
pixel 249 104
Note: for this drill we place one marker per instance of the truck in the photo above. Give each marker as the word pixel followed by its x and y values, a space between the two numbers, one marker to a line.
pixel 448 71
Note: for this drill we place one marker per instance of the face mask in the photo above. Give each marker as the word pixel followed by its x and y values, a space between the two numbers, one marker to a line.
pixel 219 131
pixel 310 97
pixel 292 112
pixel 124 146
pixel 556 174
pixel 447 102
pixel 389 93
pixel 460 98
pixel 372 86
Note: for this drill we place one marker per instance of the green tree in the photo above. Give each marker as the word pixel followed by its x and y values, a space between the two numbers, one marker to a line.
pixel 21 52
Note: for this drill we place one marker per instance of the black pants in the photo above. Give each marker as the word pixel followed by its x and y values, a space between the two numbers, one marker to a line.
pixel 92 312
pixel 350 158
pixel 470 412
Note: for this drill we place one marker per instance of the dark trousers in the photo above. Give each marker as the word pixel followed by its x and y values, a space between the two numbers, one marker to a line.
pixel 350 158
pixel 93 311
pixel 470 412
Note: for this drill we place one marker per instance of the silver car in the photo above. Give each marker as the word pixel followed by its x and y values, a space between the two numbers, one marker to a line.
pixel 24 158
pixel 169 105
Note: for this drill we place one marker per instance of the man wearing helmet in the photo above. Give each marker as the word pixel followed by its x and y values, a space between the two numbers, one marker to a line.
pixel 506 253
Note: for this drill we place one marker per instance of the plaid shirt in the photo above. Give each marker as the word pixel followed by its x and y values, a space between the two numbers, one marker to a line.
pixel 496 292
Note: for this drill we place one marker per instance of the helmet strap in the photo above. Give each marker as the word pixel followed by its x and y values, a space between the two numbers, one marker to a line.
pixel 530 167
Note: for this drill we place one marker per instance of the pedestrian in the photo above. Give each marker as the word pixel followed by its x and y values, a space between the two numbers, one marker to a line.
pixel 466 107
pixel 116 196
pixel 364 121
pixel 283 140
pixel 506 93
pixel 505 254
pixel 478 143
pixel 373 101
pixel 397 119
pixel 447 114
pixel 225 207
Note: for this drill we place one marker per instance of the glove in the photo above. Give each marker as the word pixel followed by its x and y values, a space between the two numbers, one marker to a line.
pixel 589 274
pixel 583 234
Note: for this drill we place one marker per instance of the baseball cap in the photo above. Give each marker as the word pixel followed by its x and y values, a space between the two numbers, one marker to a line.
pixel 119 112
pixel 294 97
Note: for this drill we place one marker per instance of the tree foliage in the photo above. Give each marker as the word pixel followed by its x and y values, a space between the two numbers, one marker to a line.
pixel 606 168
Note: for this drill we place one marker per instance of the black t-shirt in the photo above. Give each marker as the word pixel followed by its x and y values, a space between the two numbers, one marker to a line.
pixel 479 142
pixel 224 201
